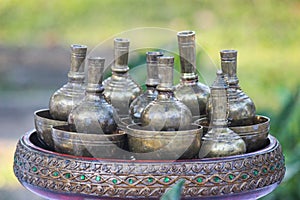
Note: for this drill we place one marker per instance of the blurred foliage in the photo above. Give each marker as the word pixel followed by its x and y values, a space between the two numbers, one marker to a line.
pixel 285 126
pixel 6 154
pixel 264 32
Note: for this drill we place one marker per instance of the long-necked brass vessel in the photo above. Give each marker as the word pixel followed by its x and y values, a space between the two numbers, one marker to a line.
pixel 166 112
pixel 241 107
pixel 94 115
pixel 220 141
pixel 138 105
pixel 69 96
pixel 190 91
pixel 120 88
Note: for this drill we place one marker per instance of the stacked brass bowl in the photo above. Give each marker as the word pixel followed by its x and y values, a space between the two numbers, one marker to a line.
pixel 57 135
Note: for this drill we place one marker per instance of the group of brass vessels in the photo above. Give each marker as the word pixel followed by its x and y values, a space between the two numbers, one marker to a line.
pixel 116 119
pixel 116 113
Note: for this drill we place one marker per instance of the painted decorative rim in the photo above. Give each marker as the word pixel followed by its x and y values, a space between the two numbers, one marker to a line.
pixel 98 178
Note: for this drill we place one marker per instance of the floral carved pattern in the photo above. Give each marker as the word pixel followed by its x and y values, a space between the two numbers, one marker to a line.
pixel 125 179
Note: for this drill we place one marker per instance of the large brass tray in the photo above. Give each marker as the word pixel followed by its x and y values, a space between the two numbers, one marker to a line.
pixel 60 176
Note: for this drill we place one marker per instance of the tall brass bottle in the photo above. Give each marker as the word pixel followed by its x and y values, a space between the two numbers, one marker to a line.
pixel 220 141
pixel 120 88
pixel 139 104
pixel 166 113
pixel 94 115
pixel 241 108
pixel 190 91
pixel 69 96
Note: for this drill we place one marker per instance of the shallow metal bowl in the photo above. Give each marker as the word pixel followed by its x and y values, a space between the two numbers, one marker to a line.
pixel 159 145
pixel 43 123
pixel 255 135
pixel 89 145
pixel 54 175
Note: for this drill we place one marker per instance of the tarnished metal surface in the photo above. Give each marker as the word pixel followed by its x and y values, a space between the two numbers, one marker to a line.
pixel 241 108
pixel 90 158
pixel 190 91
pixel 138 105
pixel 120 88
pixel 43 123
pixel 88 145
pixel 54 175
pixel 94 115
pixel 220 141
pixel 164 145
pixel 68 97
pixel 254 135
pixel 166 112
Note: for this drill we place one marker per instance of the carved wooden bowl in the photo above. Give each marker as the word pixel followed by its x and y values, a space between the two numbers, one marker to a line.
pixel 61 176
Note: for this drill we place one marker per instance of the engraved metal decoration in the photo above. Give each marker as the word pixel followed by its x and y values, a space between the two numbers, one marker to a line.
pixel 55 175
pixel 69 96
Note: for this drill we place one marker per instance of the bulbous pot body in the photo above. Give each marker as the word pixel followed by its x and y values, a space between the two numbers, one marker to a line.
pixel 93 116
pixel 166 113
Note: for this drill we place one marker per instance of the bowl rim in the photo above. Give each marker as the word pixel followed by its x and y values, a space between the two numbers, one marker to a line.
pixel 273 143
pixel 265 123
pixel 61 130
pixel 136 129
pixel 37 116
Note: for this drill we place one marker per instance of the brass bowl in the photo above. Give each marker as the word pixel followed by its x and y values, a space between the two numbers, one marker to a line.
pixel 54 175
pixel 88 145
pixel 255 135
pixel 43 123
pixel 164 145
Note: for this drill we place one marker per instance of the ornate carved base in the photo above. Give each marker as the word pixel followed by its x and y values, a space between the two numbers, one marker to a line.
pixel 61 176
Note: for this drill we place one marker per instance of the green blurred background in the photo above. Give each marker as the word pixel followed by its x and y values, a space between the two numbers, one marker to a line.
pixel 35 36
